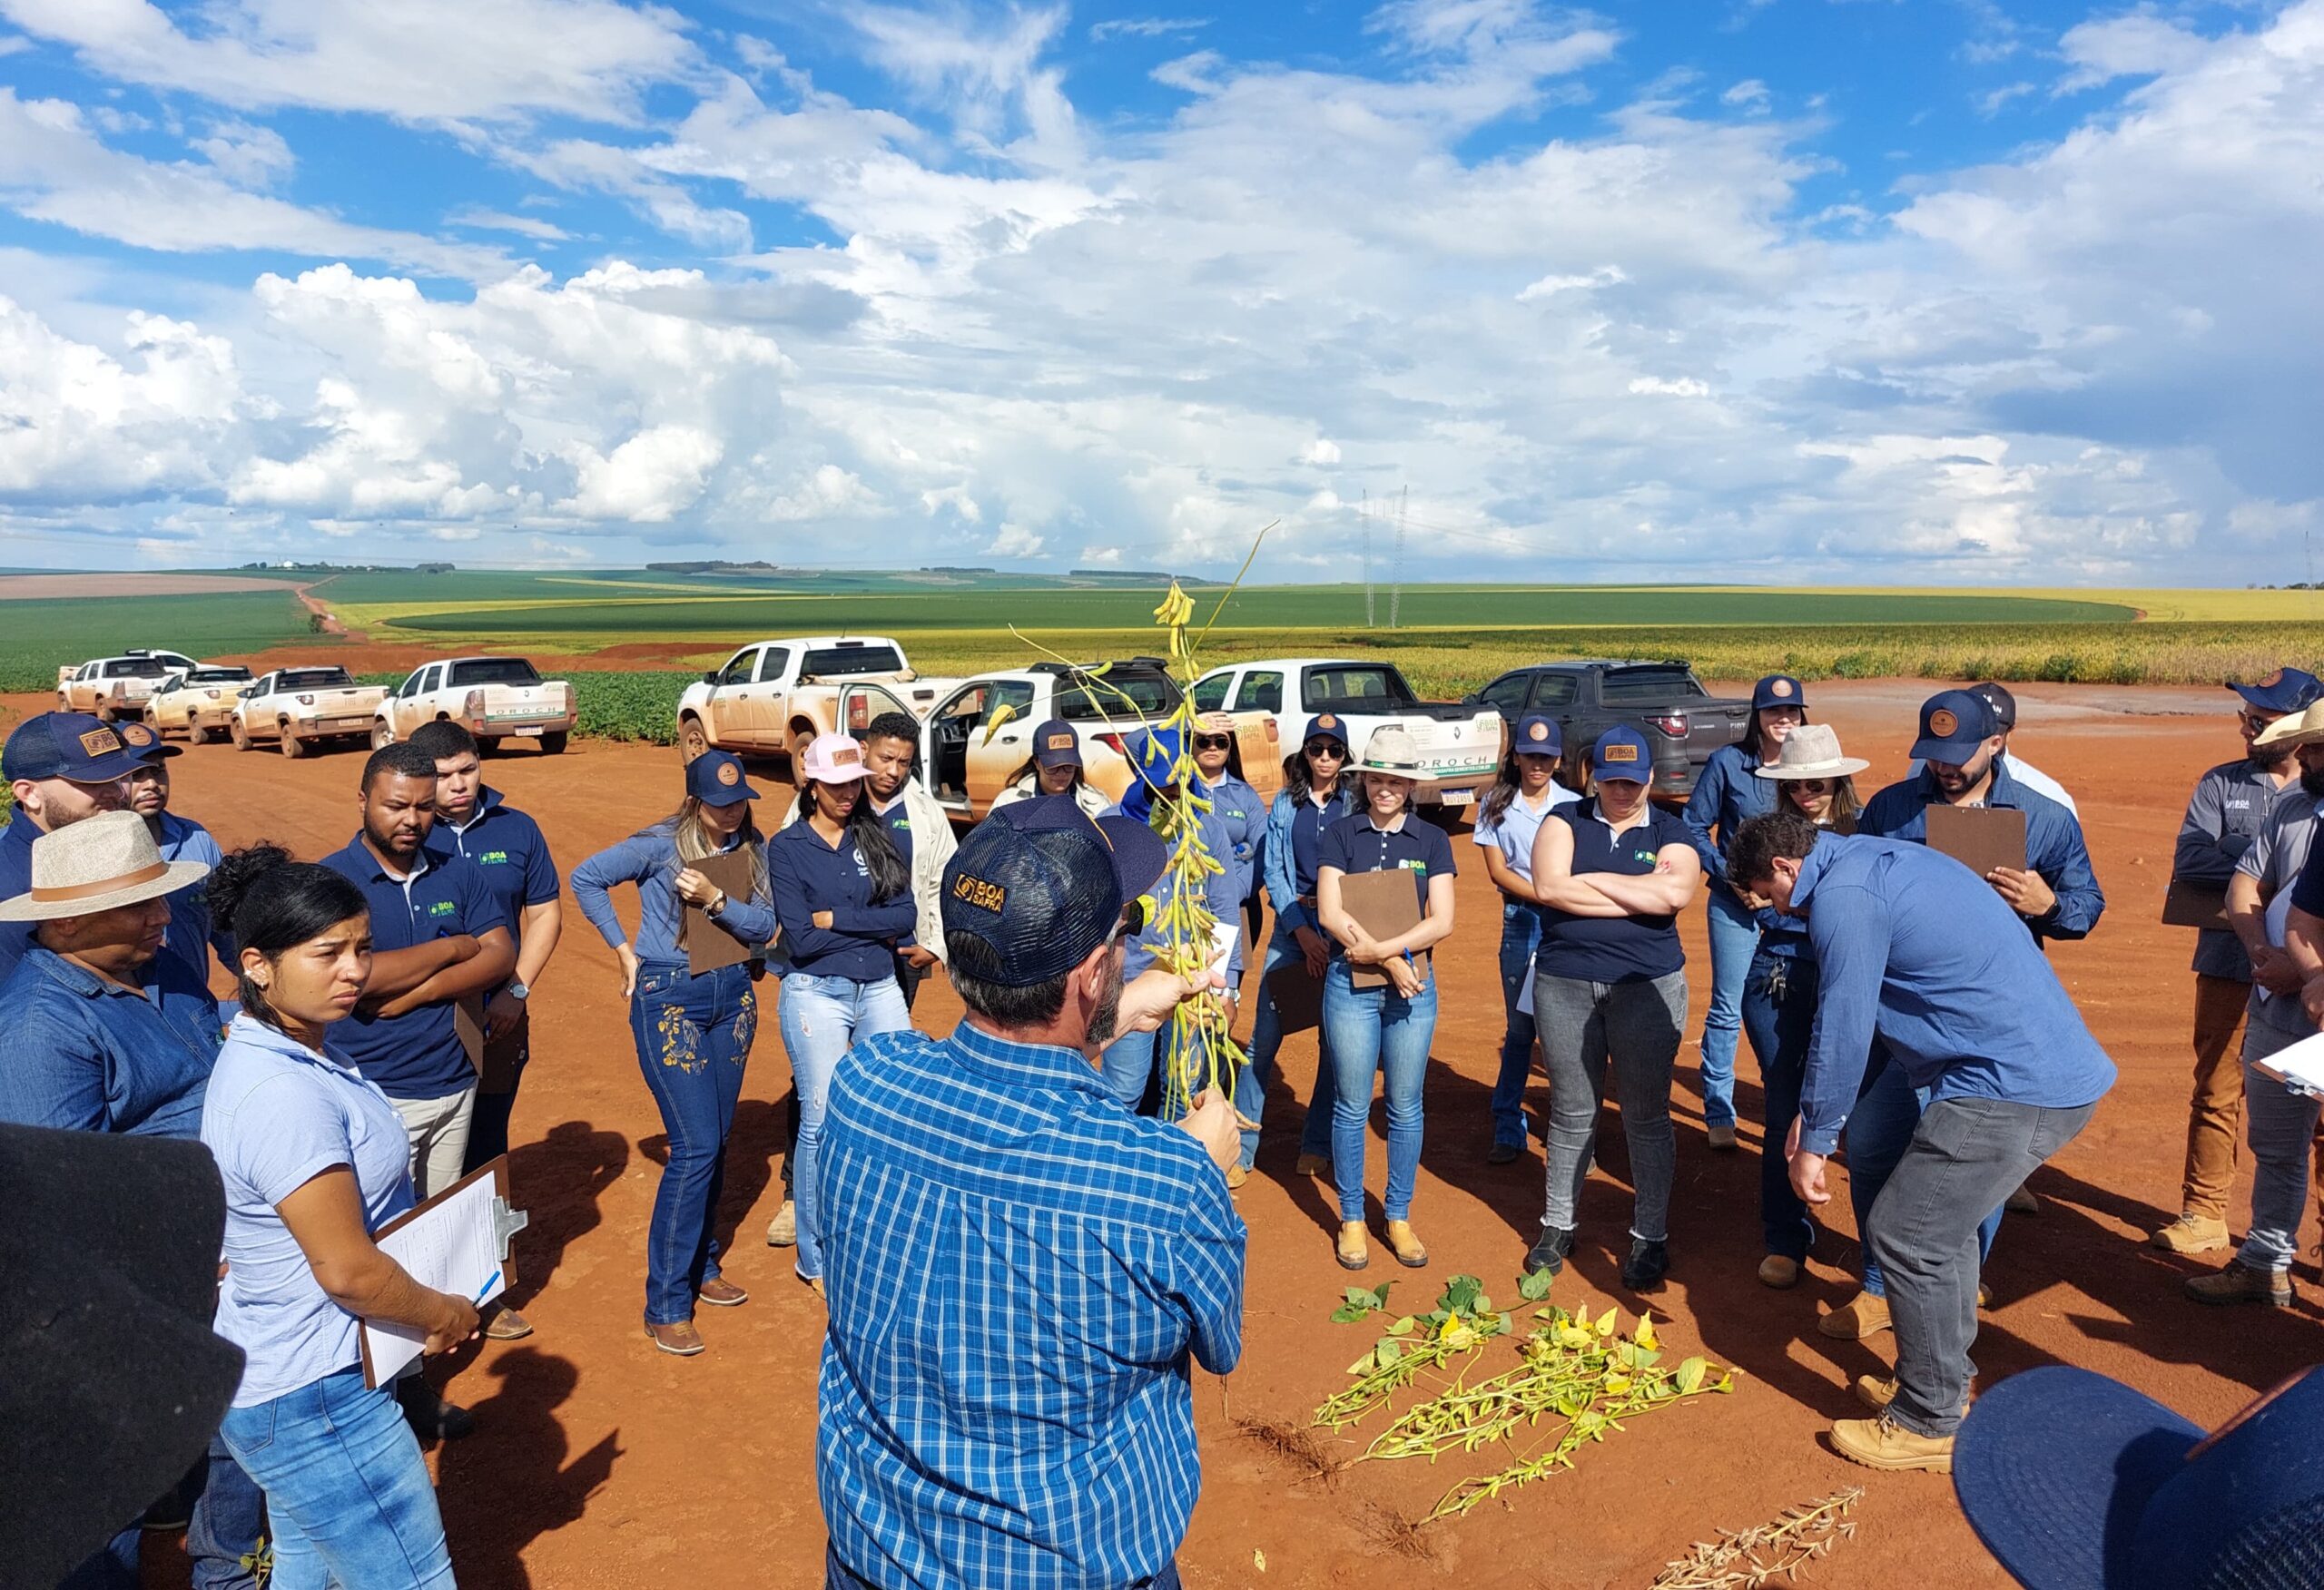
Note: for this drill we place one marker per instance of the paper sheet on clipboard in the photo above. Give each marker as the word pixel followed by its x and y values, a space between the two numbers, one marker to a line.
pixel 2300 1067
pixel 450 1243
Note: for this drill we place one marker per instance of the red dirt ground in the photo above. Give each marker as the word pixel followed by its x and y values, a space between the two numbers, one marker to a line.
pixel 601 1463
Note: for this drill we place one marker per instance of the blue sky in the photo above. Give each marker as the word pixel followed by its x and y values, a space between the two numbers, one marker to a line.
pixel 1841 290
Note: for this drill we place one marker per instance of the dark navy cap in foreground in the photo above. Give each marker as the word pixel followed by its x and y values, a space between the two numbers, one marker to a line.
pixel 73 746
pixel 1040 885
pixel 2076 1482
pixel 1622 753
pixel 1538 735
pixel 1954 723
pixel 1779 690
pixel 715 778
pixel 2287 689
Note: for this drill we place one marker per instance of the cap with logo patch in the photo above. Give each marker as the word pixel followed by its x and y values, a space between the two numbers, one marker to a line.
pixel 1038 885
pixel 1954 725
pixel 2287 689
pixel 1622 753
pixel 1328 726
pixel 1779 690
pixel 832 758
pixel 1537 735
pixel 77 747
pixel 143 743
pixel 715 778
pixel 1055 745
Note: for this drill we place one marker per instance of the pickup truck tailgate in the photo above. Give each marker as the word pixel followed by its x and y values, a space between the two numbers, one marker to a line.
pixel 1456 747
pixel 524 702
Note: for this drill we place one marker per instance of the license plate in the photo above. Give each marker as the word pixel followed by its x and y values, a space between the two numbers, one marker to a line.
pixel 347 724
pixel 1457 797
pixel 534 729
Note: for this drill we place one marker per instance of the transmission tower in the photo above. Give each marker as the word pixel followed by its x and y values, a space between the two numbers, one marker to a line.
pixel 1396 568
pixel 1364 512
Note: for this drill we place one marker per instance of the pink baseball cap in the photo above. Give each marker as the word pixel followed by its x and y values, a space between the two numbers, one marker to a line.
pixel 832 758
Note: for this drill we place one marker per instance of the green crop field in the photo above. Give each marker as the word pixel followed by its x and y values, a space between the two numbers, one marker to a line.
pixel 36 636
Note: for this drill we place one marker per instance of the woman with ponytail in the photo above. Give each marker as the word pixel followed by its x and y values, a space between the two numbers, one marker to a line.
pixel 843 898
pixel 315 1159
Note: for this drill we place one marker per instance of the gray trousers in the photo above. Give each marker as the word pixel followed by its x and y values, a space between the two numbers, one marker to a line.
pixel 1637 1027
pixel 1966 1156
pixel 2281 1124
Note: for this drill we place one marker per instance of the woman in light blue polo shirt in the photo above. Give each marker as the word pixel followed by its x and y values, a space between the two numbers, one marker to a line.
pixel 314 1159
pixel 1507 819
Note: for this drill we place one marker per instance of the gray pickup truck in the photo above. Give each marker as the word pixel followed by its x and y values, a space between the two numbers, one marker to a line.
pixel 1682 720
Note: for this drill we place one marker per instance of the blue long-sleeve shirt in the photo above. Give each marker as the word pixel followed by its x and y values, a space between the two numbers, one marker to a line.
pixel 1218 893
pixel 1238 808
pixel 806 875
pixel 650 860
pixel 1287 853
pixel 1918 951
pixel 1728 794
pixel 2054 843
pixel 90 1055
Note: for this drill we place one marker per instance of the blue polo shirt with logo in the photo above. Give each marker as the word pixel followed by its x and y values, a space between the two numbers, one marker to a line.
pixel 1417 846
pixel 1612 950
pixel 417 1056
pixel 508 847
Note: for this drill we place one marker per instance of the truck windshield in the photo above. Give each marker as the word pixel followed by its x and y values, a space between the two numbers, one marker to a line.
pixel 1151 695
pixel 845 661
pixel 1656 683
pixel 495 670
pixel 135 668
pixel 312 679
pixel 1360 687
pixel 218 676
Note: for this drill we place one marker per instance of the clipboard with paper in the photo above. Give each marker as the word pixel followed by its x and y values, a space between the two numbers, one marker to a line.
pixel 1981 837
pixel 459 1243
pixel 709 947
pixel 1386 905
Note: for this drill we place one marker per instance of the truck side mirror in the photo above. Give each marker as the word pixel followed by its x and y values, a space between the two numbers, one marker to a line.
pixel 709 676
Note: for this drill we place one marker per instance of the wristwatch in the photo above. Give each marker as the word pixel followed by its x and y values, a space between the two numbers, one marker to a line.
pixel 515 990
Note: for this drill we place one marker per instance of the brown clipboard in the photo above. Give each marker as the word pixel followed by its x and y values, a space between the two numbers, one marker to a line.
pixel 2188 903
pixel 709 947
pixel 1298 998
pixel 468 1020
pixel 497 1169
pixel 1386 906
pixel 1981 837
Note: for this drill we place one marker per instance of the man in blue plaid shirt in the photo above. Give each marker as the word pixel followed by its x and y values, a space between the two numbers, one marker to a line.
pixel 1019 1268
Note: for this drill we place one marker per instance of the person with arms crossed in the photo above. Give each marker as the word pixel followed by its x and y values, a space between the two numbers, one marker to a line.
pixel 438 938
pixel 1508 819
pixel 693 1029
pixel 60 767
pixel 1725 795
pixel 1918 952
pixel 111 1033
pixel 509 848
pixel 2228 809
pixel 315 1159
pixel 977 1181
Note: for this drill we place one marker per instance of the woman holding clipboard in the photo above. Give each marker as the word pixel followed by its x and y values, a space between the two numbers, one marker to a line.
pixel 1386 1027
pixel 315 1159
pixel 693 1029
pixel 1612 873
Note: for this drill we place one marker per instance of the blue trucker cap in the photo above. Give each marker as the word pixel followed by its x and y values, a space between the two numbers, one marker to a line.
pixel 1055 745
pixel 1622 753
pixel 715 778
pixel 145 744
pixel 1779 690
pixel 73 746
pixel 2076 1482
pixel 2287 689
pixel 1538 735
pixel 1954 723
pixel 1039 884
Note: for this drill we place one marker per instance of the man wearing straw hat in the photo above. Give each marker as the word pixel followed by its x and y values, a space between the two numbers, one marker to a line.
pixel 108 1033
pixel 60 767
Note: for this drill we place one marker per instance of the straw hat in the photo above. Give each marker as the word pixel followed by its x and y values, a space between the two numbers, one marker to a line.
pixel 97 864
pixel 2302 728
pixel 1811 751
pixel 1392 751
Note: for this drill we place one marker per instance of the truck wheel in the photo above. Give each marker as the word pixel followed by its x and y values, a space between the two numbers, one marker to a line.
pixel 552 742
pixel 693 740
pixel 238 734
pixel 383 734
pixel 292 746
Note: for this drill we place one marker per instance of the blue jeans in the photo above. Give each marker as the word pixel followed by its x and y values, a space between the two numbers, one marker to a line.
pixel 2282 1127
pixel 347 1492
pixel 1887 1113
pixel 821 1019
pixel 1373 1031
pixel 1259 1066
pixel 1127 1067
pixel 1520 936
pixel 693 1035
pixel 1734 940
pixel 1779 1017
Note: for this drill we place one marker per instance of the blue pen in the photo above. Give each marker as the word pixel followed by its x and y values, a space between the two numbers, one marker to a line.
pixel 485 1290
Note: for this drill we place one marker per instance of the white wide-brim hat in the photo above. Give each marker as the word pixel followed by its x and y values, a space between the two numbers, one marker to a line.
pixel 97 864
pixel 1392 751
pixel 1811 751
pixel 2302 728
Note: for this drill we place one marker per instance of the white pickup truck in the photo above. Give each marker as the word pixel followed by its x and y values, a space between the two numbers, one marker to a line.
pixel 197 701
pixel 116 687
pixel 1460 745
pixel 299 707
pixel 493 698
pixel 774 695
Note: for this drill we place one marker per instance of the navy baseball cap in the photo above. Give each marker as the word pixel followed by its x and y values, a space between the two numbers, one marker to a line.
pixel 1779 690
pixel 1622 753
pixel 2076 1482
pixel 1039 884
pixel 715 778
pixel 73 746
pixel 1954 723
pixel 2287 689
pixel 1328 726
pixel 143 743
pixel 1055 745
pixel 1538 735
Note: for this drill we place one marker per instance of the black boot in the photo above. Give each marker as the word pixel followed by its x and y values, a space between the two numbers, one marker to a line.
pixel 432 1417
pixel 1648 1262
pixel 1549 1250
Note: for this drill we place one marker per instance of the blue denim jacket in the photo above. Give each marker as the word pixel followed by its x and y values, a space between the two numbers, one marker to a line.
pixel 1728 794
pixel 89 1055
pixel 1287 853
pixel 650 860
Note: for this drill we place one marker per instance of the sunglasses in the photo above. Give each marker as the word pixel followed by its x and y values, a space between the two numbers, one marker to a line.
pixel 1132 920
pixel 1213 741
pixel 1810 786
pixel 1330 748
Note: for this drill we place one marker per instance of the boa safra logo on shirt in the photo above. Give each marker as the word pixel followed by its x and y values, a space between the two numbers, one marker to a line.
pixel 443 907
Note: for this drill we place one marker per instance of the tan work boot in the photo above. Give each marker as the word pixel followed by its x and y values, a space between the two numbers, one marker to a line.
pixel 783 1231
pixel 1315 1165
pixel 1861 1316
pixel 2238 1282
pixel 679 1338
pixel 1780 1271
pixel 1355 1248
pixel 2190 1234
pixel 1236 1175
pixel 1883 1443
pixel 1405 1243
pixel 1875 1391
